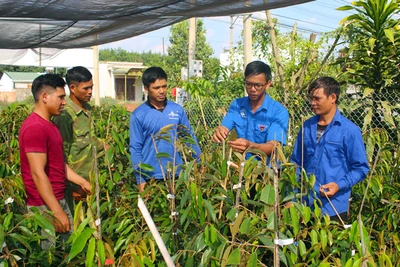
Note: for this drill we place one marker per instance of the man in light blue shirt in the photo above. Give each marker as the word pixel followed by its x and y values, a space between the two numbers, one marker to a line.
pixel 331 147
pixel 260 121
pixel 146 122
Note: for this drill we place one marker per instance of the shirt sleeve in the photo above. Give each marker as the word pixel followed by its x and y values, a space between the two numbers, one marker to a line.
pixel 64 123
pixel 278 128
pixel 233 111
pixel 136 140
pixel 357 160
pixel 297 153
pixel 34 139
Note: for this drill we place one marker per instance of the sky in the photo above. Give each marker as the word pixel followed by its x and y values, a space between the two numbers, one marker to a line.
pixel 317 16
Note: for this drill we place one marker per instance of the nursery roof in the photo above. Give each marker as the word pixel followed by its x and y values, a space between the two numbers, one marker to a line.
pixel 83 23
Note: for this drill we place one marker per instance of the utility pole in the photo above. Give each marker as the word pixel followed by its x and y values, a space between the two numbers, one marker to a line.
pixel 192 43
pixel 247 39
pixel 231 43
pixel 96 80
pixel 247 42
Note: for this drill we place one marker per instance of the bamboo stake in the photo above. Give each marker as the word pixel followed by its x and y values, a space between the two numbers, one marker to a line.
pixel 276 209
pixel 96 172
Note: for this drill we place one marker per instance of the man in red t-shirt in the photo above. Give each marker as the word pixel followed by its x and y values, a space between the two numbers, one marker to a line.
pixel 43 168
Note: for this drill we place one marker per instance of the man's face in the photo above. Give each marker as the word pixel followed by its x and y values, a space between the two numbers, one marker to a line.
pixel 82 91
pixel 256 86
pixel 157 91
pixel 321 103
pixel 55 101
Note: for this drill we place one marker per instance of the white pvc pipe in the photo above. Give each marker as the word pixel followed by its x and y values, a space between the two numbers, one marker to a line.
pixel 153 229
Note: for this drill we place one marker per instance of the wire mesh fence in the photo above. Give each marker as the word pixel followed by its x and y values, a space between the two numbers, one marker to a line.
pixel 206 113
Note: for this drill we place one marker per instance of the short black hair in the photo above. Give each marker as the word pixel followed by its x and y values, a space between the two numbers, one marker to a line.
pixel 46 81
pixel 150 75
pixel 77 75
pixel 258 67
pixel 329 84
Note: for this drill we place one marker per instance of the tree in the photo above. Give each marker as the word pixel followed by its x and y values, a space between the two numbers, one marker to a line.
pixel 371 60
pixel 373 50
pixel 178 51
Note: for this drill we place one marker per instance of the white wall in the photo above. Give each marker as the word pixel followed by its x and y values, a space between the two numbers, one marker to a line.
pixel 6 84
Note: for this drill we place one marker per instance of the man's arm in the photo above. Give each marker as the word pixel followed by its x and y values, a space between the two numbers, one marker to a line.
pixel 136 141
pixel 242 144
pixel 356 158
pixel 75 178
pixel 37 163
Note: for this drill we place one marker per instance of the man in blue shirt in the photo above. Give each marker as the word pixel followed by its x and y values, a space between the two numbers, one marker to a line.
pixel 331 147
pixel 260 121
pixel 146 122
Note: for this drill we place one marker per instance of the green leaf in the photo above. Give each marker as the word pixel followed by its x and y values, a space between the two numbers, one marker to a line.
pixel 302 248
pixel 200 243
pixel 232 135
pixel 234 257
pixel 101 252
pixel 226 256
pixel 2 235
pixel 367 118
pixel 268 195
pixel 210 210
pixel 189 262
pixel 371 43
pixel 314 237
pixel 367 92
pixel 163 155
pixel 245 226
pixel 47 226
pixel 7 221
pixel 235 226
pixel 344 8
pixel 79 243
pixel 295 220
pixel 22 239
pixel 146 167
pixel 253 260
pixel 213 234
pixel 324 238
pixel 267 241
pixel 390 34
pixel 206 257
pixel 90 252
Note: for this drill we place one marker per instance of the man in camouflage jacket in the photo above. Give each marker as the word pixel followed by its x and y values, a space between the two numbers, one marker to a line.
pixel 77 128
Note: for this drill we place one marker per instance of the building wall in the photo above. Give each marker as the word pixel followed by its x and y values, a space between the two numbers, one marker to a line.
pixel 6 84
pixel 7 97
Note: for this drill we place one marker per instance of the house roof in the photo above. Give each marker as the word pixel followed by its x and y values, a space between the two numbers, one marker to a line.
pixel 83 23
pixel 22 76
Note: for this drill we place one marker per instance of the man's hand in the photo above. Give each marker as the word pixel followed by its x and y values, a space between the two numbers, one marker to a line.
pixel 61 222
pixel 86 187
pixel 240 144
pixel 220 133
pixel 328 190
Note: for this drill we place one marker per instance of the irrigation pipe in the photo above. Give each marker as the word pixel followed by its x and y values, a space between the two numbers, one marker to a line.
pixel 155 233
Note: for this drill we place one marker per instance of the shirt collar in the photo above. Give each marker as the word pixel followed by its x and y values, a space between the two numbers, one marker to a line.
pixel 151 106
pixel 337 118
pixel 76 108
pixel 264 105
